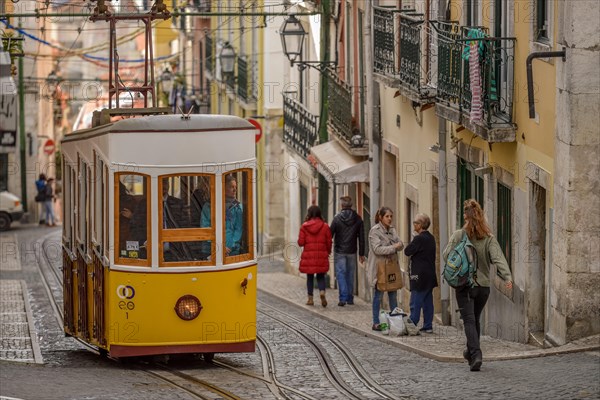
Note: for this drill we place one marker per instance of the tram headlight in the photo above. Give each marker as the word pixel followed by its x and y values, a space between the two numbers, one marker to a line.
pixel 188 307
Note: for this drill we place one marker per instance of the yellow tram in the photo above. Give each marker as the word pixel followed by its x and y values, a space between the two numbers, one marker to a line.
pixel 159 251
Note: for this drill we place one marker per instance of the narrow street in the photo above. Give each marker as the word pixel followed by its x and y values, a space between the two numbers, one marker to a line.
pixel 311 357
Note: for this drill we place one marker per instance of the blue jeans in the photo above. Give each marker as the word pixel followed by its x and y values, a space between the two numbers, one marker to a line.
pixel 49 210
pixel 377 296
pixel 422 299
pixel 310 282
pixel 345 267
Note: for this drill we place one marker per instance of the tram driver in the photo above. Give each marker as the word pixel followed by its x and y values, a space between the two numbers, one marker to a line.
pixel 234 219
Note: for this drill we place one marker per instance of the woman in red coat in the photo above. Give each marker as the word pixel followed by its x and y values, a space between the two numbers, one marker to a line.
pixel 315 237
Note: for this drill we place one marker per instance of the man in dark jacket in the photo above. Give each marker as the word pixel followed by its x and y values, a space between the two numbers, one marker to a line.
pixel 346 228
pixel 422 272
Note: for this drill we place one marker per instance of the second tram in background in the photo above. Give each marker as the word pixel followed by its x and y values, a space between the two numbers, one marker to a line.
pixel 159 249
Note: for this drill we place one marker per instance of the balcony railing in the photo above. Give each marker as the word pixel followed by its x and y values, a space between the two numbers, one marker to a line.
pixel 244 80
pixel 210 62
pixel 400 53
pixel 485 108
pixel 340 116
pixel 300 126
pixel 384 35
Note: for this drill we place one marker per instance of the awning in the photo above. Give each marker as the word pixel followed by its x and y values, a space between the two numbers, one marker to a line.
pixel 338 166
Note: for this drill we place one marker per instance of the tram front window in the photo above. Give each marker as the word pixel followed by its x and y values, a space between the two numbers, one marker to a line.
pixel 133 216
pixel 234 217
pixel 184 204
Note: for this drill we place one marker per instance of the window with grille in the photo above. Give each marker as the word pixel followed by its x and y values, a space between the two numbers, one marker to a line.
pixel 504 217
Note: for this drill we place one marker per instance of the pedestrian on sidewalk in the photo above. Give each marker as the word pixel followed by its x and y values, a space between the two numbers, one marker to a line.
pixel 383 243
pixel 422 276
pixel 49 203
pixel 40 197
pixel 347 229
pixel 471 300
pixel 315 237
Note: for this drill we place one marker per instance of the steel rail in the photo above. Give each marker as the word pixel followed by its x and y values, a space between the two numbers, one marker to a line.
pixel 349 358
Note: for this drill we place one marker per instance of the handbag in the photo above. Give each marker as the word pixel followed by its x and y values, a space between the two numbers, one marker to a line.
pixel 389 277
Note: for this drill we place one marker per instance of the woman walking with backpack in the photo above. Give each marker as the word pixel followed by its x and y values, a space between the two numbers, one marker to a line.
pixel 315 237
pixel 472 299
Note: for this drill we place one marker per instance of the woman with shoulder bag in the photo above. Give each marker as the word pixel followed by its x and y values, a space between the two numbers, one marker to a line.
pixel 472 299
pixel 384 245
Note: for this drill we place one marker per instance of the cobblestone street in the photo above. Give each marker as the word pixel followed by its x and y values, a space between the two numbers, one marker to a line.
pixel 69 371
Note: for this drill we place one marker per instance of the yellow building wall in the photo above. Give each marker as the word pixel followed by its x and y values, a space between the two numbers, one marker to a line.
pixel 534 137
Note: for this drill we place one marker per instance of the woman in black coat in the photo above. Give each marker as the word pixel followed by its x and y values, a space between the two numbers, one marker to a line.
pixel 422 274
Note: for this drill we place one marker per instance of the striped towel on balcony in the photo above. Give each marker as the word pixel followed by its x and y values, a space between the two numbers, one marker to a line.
pixel 475 78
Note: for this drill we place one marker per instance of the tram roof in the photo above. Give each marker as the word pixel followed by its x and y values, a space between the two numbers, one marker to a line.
pixel 165 123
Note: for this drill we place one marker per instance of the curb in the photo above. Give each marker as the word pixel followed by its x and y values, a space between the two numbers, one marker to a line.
pixel 443 358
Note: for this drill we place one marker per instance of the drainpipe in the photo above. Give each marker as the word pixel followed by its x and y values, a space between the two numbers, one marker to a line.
pixel 539 54
pixel 374 188
pixel 22 140
pixel 443 198
pixel 443 216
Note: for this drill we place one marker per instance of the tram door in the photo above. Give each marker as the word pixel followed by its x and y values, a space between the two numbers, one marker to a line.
pixel 100 261
pixel 68 247
pixel 83 257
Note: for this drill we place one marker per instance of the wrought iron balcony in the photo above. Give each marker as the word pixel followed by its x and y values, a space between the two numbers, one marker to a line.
pixel 209 52
pixel 341 120
pixel 244 80
pixel 401 56
pixel 384 34
pixel 300 126
pixel 485 108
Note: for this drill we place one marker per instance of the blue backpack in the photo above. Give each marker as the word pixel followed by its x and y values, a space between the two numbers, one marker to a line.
pixel 460 269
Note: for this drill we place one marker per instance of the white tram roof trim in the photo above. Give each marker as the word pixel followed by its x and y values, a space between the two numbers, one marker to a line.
pixel 166 123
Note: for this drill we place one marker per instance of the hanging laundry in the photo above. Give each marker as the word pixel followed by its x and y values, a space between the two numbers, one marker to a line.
pixel 475 79
pixel 474 33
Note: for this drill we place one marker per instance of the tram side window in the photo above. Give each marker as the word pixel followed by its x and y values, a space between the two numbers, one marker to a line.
pixel 68 205
pixel 133 216
pixel 186 203
pixel 82 207
pixel 237 206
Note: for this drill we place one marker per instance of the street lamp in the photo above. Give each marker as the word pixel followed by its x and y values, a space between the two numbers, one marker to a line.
pixel 292 40
pixel 227 58
pixel 52 82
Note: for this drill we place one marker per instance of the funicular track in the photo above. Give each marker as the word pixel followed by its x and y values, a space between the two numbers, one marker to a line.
pixel 330 370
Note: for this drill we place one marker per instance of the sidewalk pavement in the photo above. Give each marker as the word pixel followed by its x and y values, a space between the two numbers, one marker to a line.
pixel 445 344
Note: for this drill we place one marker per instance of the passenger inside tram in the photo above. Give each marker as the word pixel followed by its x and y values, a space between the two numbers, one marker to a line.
pixel 173 218
pixel 132 217
pixel 234 217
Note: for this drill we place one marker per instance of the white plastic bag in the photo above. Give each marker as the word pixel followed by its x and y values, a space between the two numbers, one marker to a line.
pixel 396 322
pixel 383 322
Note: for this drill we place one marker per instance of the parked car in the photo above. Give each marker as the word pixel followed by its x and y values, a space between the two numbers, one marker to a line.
pixel 11 210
